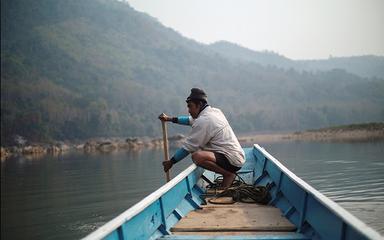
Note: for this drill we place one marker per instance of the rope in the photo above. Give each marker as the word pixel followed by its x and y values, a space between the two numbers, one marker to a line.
pixel 218 182
pixel 241 192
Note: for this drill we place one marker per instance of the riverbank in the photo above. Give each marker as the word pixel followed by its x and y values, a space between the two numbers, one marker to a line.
pixel 347 133
pixel 101 145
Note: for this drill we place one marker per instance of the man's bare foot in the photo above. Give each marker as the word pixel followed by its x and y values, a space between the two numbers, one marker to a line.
pixel 228 179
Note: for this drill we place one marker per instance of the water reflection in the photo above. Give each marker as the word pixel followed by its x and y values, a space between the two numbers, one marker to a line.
pixel 351 174
pixel 70 195
pixel 67 196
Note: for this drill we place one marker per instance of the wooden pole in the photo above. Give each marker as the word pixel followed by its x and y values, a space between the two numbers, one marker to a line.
pixel 165 144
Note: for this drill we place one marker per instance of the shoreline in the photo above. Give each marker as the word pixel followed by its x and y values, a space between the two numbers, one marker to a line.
pixel 100 145
pixel 320 136
pixel 108 145
pixel 346 133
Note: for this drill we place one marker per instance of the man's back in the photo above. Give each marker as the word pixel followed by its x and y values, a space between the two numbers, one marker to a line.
pixel 216 134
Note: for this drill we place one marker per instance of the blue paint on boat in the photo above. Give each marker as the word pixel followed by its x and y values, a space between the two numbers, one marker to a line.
pixel 314 215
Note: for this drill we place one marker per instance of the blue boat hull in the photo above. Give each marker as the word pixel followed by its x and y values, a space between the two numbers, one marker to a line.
pixel 314 215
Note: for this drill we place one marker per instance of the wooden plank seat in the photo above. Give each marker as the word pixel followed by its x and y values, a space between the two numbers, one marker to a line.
pixel 233 218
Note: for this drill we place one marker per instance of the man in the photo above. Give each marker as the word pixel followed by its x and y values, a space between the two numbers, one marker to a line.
pixel 211 141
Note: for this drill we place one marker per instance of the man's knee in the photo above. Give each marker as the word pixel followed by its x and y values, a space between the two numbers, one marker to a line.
pixel 197 157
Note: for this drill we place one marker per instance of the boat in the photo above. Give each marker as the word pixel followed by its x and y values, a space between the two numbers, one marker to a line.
pixel 179 210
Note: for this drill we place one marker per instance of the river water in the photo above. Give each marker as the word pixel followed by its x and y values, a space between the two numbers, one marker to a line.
pixel 69 196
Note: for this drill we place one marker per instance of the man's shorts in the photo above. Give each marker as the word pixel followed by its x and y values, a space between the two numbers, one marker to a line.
pixel 223 162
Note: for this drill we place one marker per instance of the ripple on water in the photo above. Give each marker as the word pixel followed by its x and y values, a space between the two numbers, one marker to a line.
pixel 369 212
pixel 340 162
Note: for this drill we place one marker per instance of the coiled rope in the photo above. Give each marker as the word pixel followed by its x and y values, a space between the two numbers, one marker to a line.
pixel 240 192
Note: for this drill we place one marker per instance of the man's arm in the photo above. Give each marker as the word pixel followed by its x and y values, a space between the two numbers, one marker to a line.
pixel 198 137
pixel 181 152
pixel 183 120
pixel 179 155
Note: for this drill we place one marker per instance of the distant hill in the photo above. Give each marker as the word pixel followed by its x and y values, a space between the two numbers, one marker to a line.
pixel 238 53
pixel 364 66
pixel 78 69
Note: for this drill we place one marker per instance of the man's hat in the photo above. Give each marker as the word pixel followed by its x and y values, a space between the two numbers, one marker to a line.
pixel 197 94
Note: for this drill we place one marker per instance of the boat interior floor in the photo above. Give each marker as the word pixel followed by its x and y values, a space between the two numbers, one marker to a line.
pixel 234 221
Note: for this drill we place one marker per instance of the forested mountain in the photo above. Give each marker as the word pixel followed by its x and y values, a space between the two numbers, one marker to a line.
pixel 236 52
pixel 364 66
pixel 79 69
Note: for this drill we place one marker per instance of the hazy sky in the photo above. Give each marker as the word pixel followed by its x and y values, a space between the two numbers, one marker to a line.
pixel 297 29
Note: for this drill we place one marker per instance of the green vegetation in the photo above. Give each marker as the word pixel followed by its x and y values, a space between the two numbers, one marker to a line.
pixel 78 69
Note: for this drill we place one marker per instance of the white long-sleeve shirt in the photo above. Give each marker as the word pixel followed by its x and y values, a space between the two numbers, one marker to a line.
pixel 212 132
